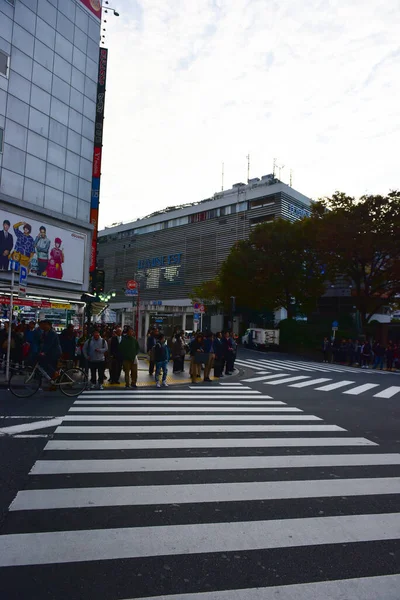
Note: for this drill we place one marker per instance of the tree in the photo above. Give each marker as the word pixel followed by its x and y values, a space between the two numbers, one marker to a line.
pixel 360 241
pixel 276 267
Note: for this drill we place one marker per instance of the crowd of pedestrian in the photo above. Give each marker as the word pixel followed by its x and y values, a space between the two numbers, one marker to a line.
pixel 364 354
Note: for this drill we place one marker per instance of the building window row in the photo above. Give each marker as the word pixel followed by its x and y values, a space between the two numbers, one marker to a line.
pixel 4 63
pixel 1 140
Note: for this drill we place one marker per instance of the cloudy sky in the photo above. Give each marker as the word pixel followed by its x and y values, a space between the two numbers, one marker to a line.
pixel 194 83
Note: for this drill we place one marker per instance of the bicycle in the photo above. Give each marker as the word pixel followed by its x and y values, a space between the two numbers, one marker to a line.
pixel 25 382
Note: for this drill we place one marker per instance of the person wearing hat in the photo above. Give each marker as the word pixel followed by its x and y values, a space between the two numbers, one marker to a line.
pixel 54 269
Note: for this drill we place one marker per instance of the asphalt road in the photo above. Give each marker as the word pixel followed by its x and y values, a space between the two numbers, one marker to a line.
pixel 276 483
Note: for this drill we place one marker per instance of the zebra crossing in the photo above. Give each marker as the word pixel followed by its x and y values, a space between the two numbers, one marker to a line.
pixel 218 493
pixel 269 375
pixel 295 365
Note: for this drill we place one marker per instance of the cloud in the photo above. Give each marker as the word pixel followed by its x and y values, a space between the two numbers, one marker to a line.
pixel 192 84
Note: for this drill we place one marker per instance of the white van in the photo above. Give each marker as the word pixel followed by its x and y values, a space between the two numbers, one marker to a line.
pixel 261 338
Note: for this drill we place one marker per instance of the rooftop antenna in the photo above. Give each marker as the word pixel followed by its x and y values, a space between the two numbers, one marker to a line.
pixel 223 173
pixel 248 168
pixel 274 168
pixel 291 177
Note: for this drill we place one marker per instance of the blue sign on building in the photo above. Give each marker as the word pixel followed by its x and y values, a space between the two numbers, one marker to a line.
pixel 160 261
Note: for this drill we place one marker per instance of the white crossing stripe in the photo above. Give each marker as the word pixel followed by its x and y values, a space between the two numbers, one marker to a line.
pixel 134 542
pixel 334 386
pixel 361 388
pixel 308 383
pixel 173 397
pixel 249 491
pixel 229 383
pixel 192 428
pixel 201 417
pixel 218 390
pixel 181 409
pixel 149 444
pixel 130 465
pixel 178 403
pixel 388 392
pixel 385 587
pixel 264 377
pixel 160 392
pixel 287 380
pixel 22 427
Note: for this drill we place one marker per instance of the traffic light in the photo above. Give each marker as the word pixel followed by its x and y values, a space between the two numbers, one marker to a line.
pixel 97 277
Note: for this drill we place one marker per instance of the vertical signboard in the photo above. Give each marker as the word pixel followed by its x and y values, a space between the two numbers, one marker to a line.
pixel 97 151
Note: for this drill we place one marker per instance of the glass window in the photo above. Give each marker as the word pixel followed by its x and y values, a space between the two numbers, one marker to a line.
pixel 73 162
pixel 63 47
pixel 39 122
pixel 88 129
pixel 59 111
pixel 68 9
pixel 83 210
pixel 55 177
pixel 94 31
pixel 91 69
pixel 11 184
pixel 40 99
pixel 85 189
pixel 233 209
pixel 58 133
pixel 61 89
pixel 89 108
pixel 85 170
pixel 75 120
pixel 78 80
pixel 42 77
pixel 35 168
pixel 76 100
pixel 87 149
pixel 70 205
pixel 44 55
pixel 56 155
pixel 25 17
pixel 47 12
pixel 34 192
pixel 82 19
pixel 53 199
pixel 1 140
pixel 17 111
pixel 93 50
pixel 80 40
pixel 65 26
pixel 16 135
pixel 20 87
pixel 74 142
pixel 79 60
pixel 242 206
pixel 6 28
pixel 37 145
pixel 90 89
pixel 21 63
pixel 13 159
pixel 71 184
pixel 23 40
pixel 45 33
pixel 4 58
pixel 62 68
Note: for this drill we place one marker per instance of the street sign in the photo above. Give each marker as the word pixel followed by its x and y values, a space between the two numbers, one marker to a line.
pixel 131 292
pixel 196 306
pixel 202 308
pixel 335 324
pixel 335 328
pixel 196 316
pixel 23 277
pixel 131 284
pixel 14 265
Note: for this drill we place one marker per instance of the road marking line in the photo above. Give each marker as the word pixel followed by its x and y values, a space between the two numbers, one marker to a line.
pixel 361 388
pixel 182 409
pixel 178 403
pixel 312 382
pixel 197 418
pixel 287 380
pixel 112 429
pixel 27 417
pixel 218 390
pixel 266 377
pixel 212 463
pixel 334 386
pixel 173 397
pixel 13 429
pixel 134 542
pixel 263 442
pixel 191 391
pixel 364 588
pixel 388 392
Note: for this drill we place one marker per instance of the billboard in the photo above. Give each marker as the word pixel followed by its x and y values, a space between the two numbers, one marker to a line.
pixel 47 251
pixel 94 6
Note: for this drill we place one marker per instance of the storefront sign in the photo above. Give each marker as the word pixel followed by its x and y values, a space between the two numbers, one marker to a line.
pixel 94 6
pixel 160 261
pixel 299 213
pixel 97 162
pixel 35 303
pixel 44 250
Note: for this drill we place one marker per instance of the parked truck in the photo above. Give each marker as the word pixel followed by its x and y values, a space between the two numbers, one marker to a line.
pixel 261 339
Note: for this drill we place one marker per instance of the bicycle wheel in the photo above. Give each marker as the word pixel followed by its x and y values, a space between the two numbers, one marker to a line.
pixel 73 382
pixel 24 383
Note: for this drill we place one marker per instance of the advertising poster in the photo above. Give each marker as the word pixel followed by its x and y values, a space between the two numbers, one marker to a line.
pixel 94 6
pixel 45 250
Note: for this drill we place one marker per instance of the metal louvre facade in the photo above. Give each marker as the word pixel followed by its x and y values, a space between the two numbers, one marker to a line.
pixel 172 252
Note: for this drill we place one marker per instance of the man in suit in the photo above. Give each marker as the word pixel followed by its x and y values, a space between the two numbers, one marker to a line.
pixel 116 356
pixel 6 245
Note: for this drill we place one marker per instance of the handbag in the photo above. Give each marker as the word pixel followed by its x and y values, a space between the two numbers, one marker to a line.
pixel 201 357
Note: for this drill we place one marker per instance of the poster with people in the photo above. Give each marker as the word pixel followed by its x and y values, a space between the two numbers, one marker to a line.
pixel 45 250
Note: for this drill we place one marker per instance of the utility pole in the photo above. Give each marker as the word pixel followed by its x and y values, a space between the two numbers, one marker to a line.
pixel 223 173
pixel 248 167
pixel 291 177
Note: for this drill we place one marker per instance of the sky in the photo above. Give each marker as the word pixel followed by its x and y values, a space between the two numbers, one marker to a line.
pixel 193 84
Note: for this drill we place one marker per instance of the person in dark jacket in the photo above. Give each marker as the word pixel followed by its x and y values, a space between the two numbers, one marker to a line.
pixel 326 350
pixel 6 245
pixel 219 355
pixel 197 346
pixel 209 350
pixel 161 358
pixel 50 349
pixel 68 343
pixel 151 342
pixel 129 349
pixel 116 356
pixel 229 353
